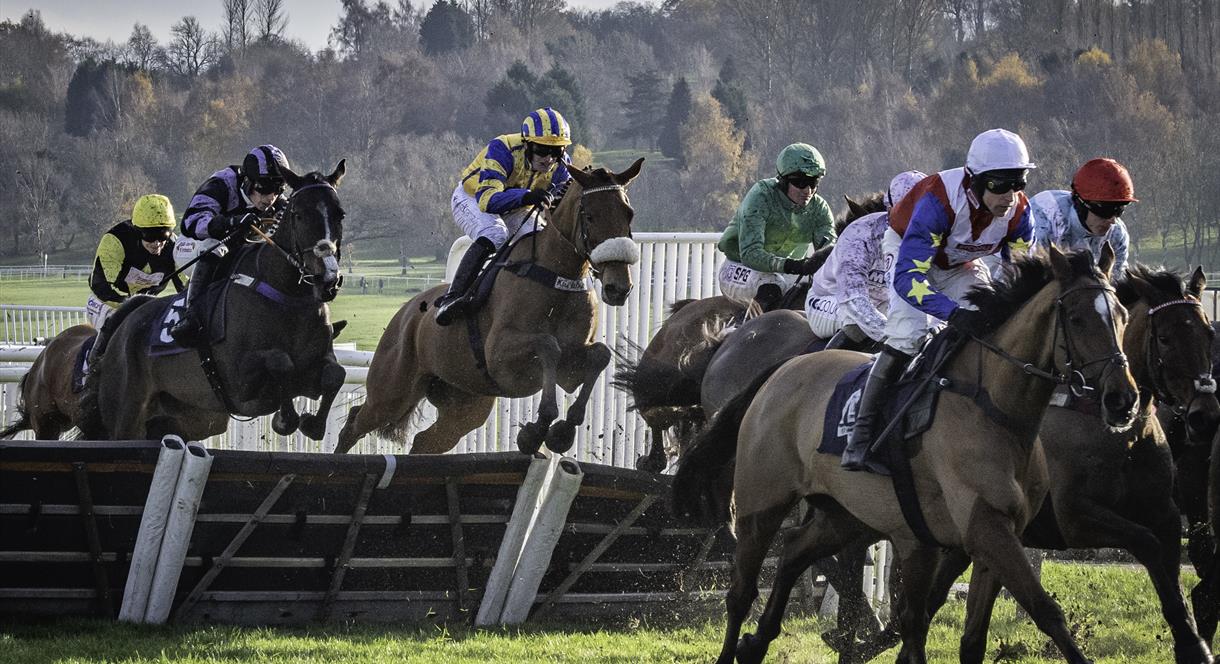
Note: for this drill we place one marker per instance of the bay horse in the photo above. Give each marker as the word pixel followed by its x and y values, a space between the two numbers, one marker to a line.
pixel 665 381
pixel 531 334
pixel 979 471
pixel 277 343
pixel 48 403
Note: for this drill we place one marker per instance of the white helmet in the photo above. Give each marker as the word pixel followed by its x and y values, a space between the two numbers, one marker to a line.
pixel 997 150
pixel 900 186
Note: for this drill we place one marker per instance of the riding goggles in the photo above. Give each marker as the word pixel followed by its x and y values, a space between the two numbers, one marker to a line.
pixel 269 186
pixel 155 234
pixel 1003 186
pixel 801 181
pixel 1105 210
pixel 540 150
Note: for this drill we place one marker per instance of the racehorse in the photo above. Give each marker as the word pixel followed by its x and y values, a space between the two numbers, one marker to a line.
pixel 978 470
pixel 277 341
pixel 1115 489
pixel 665 381
pixel 48 403
pixel 534 332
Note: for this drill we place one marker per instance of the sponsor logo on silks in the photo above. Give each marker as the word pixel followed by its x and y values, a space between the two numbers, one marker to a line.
pixel 847 420
pixel 975 248
pixel 825 305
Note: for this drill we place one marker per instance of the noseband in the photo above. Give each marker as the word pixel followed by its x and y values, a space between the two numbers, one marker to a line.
pixel 1204 383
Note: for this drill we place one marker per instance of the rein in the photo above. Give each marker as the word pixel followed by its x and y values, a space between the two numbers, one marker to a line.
pixel 583 218
pixel 1204 383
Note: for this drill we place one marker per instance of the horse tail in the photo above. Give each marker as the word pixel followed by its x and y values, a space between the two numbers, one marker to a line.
pixel 650 382
pixel 701 490
pixel 681 304
pixel 23 418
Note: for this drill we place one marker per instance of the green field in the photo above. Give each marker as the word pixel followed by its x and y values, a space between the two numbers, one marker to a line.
pixel 1111 609
pixel 367 314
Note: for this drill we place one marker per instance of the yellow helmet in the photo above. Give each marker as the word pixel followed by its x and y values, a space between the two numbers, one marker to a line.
pixel 547 127
pixel 153 211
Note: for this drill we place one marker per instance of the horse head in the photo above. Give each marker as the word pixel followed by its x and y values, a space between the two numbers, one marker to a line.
pixel 311 235
pixel 1175 346
pixel 1091 322
pixel 603 228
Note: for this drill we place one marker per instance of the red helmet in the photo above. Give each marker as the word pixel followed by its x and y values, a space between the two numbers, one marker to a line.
pixel 1104 180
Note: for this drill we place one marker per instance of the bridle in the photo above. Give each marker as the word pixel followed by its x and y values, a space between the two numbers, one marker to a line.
pixel 296 257
pixel 580 245
pixel 1204 383
pixel 1074 376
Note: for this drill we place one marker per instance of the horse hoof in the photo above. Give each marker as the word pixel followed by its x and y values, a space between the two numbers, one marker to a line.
pixel 529 439
pixel 751 649
pixel 285 426
pixel 838 640
pixel 561 436
pixel 313 426
pixel 647 464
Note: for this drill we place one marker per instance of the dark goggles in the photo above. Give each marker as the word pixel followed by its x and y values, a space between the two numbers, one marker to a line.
pixel 1003 185
pixel 155 234
pixel 540 150
pixel 269 186
pixel 1108 210
pixel 801 181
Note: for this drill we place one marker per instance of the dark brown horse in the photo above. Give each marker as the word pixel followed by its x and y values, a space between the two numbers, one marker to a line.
pixel 978 471
pixel 666 380
pixel 277 342
pixel 533 335
pixel 48 404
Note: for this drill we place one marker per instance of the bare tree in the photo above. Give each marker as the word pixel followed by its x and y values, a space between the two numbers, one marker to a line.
pixel 142 47
pixel 270 21
pixel 191 49
pixel 237 20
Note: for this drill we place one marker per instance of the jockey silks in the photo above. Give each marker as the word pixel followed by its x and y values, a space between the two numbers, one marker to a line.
pixel 500 175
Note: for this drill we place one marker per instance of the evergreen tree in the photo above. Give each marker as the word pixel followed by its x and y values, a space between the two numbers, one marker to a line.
pixel 676 114
pixel 643 108
pixel 511 99
pixel 732 97
pixel 446 27
pixel 559 90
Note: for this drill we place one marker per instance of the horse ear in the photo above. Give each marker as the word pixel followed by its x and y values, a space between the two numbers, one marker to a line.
pixel 292 179
pixel 338 173
pixel 1106 261
pixel 1197 282
pixel 1060 264
pixel 1145 290
pixel 629 174
pixel 582 178
pixel 854 209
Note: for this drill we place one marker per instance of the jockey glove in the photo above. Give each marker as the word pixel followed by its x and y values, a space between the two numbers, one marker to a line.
pixel 969 321
pixel 221 225
pixel 538 197
pixel 803 266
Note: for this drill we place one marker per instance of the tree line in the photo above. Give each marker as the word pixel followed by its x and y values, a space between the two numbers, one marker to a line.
pixel 710 90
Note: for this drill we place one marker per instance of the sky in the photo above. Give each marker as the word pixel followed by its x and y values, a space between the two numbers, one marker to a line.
pixel 309 21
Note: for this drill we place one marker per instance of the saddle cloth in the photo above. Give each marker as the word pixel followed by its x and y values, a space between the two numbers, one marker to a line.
pixel 160 343
pixel 841 414
pixel 80 368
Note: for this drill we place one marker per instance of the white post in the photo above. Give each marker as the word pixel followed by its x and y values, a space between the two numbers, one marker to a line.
pixel 181 522
pixel 524 511
pixel 152 529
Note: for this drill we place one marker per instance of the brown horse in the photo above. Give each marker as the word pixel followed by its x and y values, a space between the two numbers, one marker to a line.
pixel 1116 489
pixel 536 335
pixel 978 471
pixel 665 382
pixel 48 403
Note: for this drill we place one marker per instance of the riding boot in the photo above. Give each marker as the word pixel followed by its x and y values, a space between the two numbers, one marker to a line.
pixel 768 297
pixel 886 370
pixel 839 340
pixel 454 302
pixel 188 331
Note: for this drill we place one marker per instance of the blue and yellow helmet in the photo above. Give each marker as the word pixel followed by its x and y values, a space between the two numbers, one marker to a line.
pixel 547 127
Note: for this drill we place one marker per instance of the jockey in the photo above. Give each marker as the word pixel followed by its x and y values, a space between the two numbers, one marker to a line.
pixel 232 199
pixel 131 258
pixel 1089 215
pixel 767 241
pixel 938 232
pixel 850 293
pixel 499 190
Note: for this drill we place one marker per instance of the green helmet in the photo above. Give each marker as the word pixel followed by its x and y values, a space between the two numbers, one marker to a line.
pixel 800 158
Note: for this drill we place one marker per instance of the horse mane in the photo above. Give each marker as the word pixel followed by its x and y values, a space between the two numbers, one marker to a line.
pixel 871 203
pixel 1167 281
pixel 1023 279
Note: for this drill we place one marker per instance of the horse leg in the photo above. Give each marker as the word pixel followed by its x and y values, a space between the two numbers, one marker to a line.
pixel 381 408
pixel 457 414
pixel 540 350
pixel 991 542
pixel 953 562
pixel 654 461
pixel 330 382
pixel 980 601
pixel 826 530
pixel 286 419
pixel 584 370
pixel 918 565
pixel 754 534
